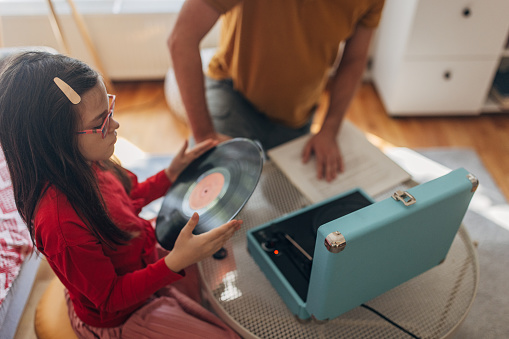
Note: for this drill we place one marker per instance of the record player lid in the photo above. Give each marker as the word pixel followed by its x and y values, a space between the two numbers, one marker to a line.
pixel 385 244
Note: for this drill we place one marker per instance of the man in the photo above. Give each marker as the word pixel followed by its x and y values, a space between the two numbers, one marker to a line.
pixel 274 61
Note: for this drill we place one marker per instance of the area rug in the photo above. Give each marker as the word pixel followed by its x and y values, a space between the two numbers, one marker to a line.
pixel 487 222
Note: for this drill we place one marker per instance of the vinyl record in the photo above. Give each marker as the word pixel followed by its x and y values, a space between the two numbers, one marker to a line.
pixel 216 186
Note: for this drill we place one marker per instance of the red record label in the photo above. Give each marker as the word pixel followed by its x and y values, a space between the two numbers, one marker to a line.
pixel 206 191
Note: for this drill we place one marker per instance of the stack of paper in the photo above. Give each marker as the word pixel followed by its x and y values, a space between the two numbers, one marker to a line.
pixel 365 166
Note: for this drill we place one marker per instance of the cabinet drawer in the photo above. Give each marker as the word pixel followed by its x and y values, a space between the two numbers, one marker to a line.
pixel 459 27
pixel 443 87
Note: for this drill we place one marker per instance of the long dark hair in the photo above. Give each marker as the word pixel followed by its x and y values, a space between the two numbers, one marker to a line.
pixel 37 134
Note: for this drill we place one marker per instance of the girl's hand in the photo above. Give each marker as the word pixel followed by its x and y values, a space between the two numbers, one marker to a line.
pixel 190 248
pixel 185 157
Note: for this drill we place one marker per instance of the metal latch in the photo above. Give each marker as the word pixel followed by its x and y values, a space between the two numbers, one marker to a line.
pixel 405 197
pixel 335 242
pixel 474 181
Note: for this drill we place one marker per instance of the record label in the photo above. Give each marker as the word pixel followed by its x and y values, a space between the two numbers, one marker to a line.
pixel 206 191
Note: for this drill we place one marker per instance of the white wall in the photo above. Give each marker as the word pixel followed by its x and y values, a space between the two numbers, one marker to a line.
pixel 131 46
pixel 131 43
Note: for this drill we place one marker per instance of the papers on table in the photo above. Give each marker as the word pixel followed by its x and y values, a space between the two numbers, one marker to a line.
pixel 365 166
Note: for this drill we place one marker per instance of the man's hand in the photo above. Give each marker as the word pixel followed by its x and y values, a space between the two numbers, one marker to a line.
pixel 327 155
pixel 342 87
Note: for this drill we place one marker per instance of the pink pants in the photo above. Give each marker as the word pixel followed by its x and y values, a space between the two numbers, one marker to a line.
pixel 170 314
pixel 173 312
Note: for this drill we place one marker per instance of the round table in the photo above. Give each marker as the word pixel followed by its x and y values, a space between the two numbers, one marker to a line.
pixel 431 305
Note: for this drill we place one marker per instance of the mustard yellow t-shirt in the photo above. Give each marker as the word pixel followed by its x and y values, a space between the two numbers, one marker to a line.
pixel 279 52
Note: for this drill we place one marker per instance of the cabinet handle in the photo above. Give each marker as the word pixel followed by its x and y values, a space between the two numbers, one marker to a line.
pixel 467 12
pixel 447 75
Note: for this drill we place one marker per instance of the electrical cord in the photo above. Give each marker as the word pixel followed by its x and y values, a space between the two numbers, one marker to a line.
pixel 390 321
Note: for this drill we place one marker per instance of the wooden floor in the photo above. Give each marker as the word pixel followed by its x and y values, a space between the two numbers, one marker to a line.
pixel 487 134
pixel 146 121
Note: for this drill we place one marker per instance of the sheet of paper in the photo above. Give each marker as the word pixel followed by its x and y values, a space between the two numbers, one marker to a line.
pixel 365 166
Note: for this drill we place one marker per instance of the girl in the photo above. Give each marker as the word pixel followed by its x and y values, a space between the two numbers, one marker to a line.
pixel 81 209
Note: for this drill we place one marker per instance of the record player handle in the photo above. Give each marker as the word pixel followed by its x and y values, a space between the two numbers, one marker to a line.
pixel 406 198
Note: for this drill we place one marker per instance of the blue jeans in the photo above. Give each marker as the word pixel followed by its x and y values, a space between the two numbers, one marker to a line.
pixel 235 116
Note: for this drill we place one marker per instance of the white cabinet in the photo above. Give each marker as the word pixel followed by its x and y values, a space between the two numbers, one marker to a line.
pixel 436 57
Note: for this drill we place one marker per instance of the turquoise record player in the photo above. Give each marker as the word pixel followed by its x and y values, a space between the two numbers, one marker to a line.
pixel 333 256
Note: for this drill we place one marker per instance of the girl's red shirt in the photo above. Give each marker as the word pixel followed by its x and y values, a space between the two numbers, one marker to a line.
pixel 105 285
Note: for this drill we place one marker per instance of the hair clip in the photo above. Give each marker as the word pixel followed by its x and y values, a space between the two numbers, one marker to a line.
pixel 67 90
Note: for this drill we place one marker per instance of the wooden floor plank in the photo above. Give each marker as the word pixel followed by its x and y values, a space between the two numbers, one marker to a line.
pixel 487 134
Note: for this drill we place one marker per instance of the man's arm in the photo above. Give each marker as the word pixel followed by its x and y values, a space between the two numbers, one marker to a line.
pixel 342 86
pixel 195 20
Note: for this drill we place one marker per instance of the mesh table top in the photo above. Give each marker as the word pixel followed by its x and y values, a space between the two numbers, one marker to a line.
pixel 431 305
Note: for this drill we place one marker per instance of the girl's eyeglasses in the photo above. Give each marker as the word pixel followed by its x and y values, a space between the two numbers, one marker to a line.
pixel 106 124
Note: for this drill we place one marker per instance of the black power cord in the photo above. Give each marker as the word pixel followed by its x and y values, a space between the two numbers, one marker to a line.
pixel 390 321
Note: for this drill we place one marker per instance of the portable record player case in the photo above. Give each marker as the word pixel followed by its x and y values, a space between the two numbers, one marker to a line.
pixel 369 251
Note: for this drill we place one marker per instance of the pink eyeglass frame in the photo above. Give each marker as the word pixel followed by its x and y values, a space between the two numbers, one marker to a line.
pixel 106 124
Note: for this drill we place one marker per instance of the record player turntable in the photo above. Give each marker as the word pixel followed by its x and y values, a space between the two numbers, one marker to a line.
pixel 333 256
